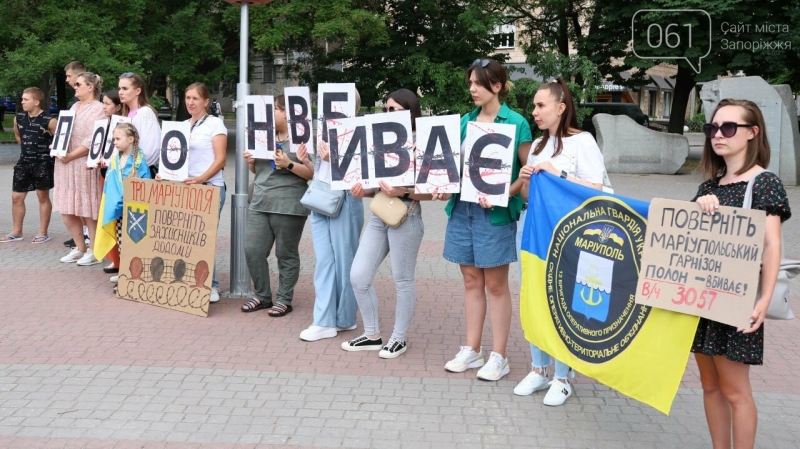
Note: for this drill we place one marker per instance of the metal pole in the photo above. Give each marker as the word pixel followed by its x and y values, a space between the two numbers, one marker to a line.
pixel 240 277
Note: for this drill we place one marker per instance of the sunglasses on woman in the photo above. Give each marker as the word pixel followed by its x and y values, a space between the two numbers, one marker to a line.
pixel 728 129
pixel 482 62
pixel 392 109
pixel 78 84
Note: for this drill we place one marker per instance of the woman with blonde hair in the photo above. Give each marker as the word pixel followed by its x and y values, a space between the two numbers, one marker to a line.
pixel 76 192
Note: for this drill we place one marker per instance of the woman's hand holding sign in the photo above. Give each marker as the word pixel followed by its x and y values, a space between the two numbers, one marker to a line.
pixel 323 150
pixel 709 204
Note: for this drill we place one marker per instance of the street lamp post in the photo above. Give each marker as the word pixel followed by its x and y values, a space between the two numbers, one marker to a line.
pixel 240 277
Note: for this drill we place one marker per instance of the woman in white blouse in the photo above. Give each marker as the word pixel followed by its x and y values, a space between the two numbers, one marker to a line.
pixel 565 151
pixel 136 106
pixel 208 144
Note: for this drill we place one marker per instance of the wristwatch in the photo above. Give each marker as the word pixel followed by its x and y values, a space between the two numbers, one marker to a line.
pixel 563 174
pixel 405 196
pixel 290 166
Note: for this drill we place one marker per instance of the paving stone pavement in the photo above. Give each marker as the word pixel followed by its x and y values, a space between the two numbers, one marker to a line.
pixel 80 368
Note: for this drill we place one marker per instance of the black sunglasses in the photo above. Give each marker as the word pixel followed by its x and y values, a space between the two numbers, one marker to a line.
pixel 728 129
pixel 78 84
pixel 391 109
pixel 482 62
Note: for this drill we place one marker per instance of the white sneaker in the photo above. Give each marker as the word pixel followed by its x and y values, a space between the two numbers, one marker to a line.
pixel 214 294
pixel 73 256
pixel 393 349
pixel 495 368
pixel 465 359
pixel 88 259
pixel 314 333
pixel 531 383
pixel 351 328
pixel 558 393
pixel 114 279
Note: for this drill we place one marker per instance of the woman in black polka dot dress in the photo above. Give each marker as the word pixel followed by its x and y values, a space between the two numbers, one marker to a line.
pixel 736 150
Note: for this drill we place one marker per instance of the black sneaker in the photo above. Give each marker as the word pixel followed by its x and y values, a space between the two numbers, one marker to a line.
pixel 392 349
pixel 362 343
pixel 70 243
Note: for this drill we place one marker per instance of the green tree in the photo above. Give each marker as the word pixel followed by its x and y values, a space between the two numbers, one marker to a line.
pixel 601 32
pixel 422 45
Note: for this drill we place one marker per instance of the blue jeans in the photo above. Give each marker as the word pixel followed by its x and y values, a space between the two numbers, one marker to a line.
pixel 335 245
pixel 539 358
pixel 214 281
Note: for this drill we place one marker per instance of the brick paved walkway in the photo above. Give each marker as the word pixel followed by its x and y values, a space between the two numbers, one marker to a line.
pixel 80 368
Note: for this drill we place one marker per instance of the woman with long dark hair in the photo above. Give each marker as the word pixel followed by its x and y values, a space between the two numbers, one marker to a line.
pixel 401 244
pixel 480 238
pixel 136 106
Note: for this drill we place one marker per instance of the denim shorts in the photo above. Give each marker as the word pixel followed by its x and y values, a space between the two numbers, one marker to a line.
pixel 471 239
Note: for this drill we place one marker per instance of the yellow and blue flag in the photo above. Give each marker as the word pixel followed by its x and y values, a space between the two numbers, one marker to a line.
pixel 581 252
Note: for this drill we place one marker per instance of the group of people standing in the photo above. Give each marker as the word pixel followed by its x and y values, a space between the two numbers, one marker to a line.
pixel 84 195
pixel 483 240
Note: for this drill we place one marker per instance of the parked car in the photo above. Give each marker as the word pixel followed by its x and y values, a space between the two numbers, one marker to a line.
pixel 10 104
pixel 629 109
pixel 162 106
pixel 54 106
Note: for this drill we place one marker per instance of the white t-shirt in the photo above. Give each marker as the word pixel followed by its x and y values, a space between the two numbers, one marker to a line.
pixel 580 157
pixel 201 152
pixel 146 123
pixel 323 171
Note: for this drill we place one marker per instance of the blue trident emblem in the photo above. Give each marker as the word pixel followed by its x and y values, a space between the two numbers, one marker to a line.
pixel 137 224
pixel 592 295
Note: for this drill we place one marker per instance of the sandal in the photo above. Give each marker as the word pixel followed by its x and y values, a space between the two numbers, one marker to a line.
pixel 115 289
pixel 10 238
pixel 279 309
pixel 40 239
pixel 255 304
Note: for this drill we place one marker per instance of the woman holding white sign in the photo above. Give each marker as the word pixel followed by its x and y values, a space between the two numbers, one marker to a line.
pixel 76 194
pixel 736 151
pixel 276 217
pixel 335 244
pixel 480 237
pixel 208 145
pixel 400 243
pixel 565 151
pixel 136 106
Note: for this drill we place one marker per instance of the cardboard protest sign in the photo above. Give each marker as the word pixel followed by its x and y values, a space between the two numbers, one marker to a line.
pixel 261 126
pixel 173 163
pixel 109 145
pixel 298 113
pixel 438 166
pixel 391 148
pixel 700 264
pixel 66 121
pixel 168 240
pixel 98 142
pixel 348 158
pixel 334 101
pixel 490 149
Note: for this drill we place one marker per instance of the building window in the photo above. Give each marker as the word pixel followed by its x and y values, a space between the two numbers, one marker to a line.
pixel 651 108
pixel 504 36
pixel 270 72
pixel 667 103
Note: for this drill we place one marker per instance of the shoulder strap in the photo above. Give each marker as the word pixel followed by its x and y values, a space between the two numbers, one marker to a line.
pixel 748 194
